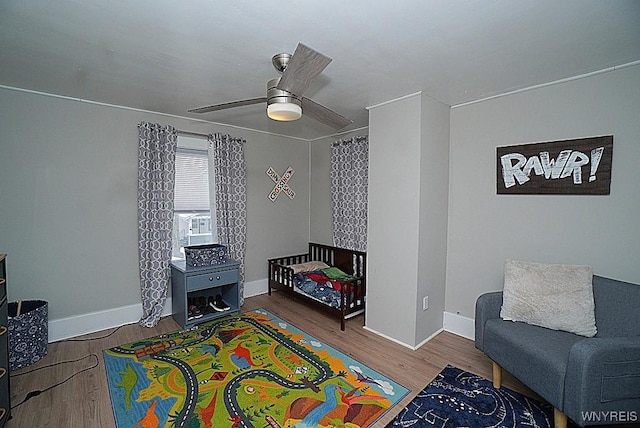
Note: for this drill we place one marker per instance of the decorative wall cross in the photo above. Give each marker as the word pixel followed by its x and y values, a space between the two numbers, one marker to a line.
pixel 281 184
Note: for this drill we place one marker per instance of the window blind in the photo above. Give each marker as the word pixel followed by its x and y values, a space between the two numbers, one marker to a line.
pixel 192 181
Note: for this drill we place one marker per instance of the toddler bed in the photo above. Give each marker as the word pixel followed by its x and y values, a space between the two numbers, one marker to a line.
pixel 330 278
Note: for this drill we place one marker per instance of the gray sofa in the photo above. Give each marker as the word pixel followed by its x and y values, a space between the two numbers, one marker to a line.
pixel 591 381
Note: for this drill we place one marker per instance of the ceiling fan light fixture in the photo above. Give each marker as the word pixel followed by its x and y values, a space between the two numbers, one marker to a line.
pixel 282 106
pixel 284 112
pixel 284 94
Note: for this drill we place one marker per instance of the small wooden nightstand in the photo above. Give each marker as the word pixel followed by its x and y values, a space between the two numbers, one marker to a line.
pixel 197 285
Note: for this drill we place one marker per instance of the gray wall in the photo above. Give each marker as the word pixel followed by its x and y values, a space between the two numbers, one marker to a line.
pixel 407 238
pixel 434 192
pixel 394 216
pixel 68 216
pixel 68 210
pixel 485 228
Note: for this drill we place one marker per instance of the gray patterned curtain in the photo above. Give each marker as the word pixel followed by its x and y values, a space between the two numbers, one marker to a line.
pixel 349 180
pixel 231 197
pixel 156 179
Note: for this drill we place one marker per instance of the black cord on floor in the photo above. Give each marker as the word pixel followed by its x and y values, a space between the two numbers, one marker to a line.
pixel 37 392
pixel 94 338
pixel 52 365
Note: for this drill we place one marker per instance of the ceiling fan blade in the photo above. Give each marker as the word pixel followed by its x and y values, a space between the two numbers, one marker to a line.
pixel 304 66
pixel 231 104
pixel 323 115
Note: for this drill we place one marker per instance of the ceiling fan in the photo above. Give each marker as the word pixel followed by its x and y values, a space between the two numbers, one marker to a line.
pixel 284 94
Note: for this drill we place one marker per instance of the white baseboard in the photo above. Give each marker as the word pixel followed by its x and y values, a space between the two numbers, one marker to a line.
pixel 437 332
pixel 64 328
pixel 453 323
pixel 457 324
pixel 389 338
pixel 255 288
pixel 413 348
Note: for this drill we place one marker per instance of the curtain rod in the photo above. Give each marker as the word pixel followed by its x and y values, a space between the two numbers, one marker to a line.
pixel 194 134
pixel 197 134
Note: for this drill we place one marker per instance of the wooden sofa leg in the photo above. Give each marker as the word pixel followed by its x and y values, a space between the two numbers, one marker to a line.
pixel 559 419
pixel 497 375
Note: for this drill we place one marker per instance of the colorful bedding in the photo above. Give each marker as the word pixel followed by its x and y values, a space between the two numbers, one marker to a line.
pixel 322 284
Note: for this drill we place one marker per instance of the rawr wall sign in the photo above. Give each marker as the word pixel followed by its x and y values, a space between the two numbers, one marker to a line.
pixel 569 167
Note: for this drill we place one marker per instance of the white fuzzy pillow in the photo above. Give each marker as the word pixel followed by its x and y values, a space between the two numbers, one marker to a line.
pixel 559 297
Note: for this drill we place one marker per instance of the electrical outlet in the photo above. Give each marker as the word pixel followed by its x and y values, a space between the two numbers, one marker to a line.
pixel 425 303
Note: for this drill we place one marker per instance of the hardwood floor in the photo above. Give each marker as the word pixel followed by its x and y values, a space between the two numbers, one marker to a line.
pixel 83 401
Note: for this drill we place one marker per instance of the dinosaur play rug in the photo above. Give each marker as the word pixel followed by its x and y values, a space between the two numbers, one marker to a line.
pixel 247 370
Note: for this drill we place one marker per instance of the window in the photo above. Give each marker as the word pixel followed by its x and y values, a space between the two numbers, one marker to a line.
pixel 192 220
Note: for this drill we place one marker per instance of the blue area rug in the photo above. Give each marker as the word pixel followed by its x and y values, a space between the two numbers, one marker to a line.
pixel 456 398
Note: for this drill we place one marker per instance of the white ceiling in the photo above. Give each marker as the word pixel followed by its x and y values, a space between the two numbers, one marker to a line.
pixel 168 56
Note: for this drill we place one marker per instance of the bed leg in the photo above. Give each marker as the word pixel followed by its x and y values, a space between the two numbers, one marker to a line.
pixel 342 324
